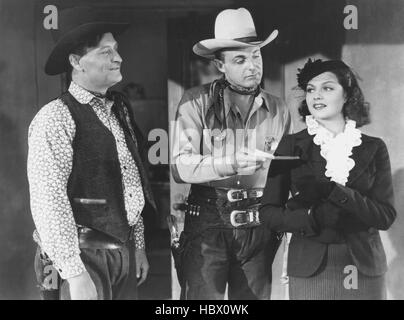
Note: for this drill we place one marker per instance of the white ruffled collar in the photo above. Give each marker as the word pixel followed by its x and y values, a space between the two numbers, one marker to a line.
pixel 336 150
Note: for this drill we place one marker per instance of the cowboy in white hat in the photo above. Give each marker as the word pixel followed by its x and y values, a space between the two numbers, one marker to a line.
pixel 88 187
pixel 224 134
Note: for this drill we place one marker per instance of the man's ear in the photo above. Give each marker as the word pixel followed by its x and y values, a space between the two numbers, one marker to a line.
pixel 219 65
pixel 74 60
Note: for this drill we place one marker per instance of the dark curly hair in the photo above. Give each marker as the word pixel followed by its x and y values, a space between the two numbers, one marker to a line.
pixel 355 107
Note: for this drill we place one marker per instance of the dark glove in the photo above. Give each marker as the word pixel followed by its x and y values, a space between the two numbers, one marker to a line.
pixel 327 215
pixel 297 202
pixel 312 190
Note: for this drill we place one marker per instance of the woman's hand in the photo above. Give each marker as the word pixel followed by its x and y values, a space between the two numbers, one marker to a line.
pixel 297 202
pixel 312 190
pixel 327 215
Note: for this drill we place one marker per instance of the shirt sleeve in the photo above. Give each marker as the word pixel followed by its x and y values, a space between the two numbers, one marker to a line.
pixel 289 129
pixel 139 234
pixel 189 163
pixel 50 156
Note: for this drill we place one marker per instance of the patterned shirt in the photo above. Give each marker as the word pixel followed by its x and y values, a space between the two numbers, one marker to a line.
pixel 50 160
pixel 199 152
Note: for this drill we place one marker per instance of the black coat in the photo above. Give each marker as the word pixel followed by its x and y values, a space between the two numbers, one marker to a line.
pixel 365 204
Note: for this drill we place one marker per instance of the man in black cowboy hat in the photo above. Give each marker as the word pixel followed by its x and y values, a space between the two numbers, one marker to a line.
pixel 220 134
pixel 88 186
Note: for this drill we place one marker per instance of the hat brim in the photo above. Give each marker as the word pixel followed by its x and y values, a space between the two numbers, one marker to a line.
pixel 58 61
pixel 207 48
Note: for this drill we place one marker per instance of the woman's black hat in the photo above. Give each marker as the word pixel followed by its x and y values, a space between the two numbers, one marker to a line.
pixel 313 68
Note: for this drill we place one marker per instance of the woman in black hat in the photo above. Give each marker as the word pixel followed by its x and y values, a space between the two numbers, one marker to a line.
pixel 341 188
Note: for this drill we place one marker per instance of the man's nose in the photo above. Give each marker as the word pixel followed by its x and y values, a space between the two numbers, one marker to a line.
pixel 117 57
pixel 250 64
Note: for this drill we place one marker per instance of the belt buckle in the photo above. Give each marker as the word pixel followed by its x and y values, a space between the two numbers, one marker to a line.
pixel 230 195
pixel 259 193
pixel 244 194
pixel 251 214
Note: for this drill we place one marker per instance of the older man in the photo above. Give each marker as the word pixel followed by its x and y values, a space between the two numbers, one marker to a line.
pixel 219 132
pixel 88 186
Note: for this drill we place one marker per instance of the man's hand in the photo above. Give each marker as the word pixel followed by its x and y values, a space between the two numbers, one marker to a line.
pixel 142 266
pixel 82 287
pixel 247 162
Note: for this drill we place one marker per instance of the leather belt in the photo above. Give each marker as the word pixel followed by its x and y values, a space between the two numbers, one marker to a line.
pixel 237 208
pixel 231 195
pixel 93 239
pixel 239 218
pixel 238 195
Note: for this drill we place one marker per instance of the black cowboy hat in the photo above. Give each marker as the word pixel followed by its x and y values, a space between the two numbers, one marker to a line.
pixel 74 26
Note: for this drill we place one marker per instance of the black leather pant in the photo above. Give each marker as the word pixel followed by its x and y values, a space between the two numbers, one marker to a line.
pixel 217 256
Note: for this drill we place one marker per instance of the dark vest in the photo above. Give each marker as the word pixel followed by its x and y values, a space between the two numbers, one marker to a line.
pixel 96 172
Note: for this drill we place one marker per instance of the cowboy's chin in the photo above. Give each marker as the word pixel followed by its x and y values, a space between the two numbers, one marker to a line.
pixel 251 82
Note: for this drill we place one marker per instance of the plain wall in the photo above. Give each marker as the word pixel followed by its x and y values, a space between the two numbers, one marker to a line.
pixel 18 100
pixel 376 52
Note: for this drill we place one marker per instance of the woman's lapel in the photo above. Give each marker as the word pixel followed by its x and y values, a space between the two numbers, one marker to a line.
pixel 362 155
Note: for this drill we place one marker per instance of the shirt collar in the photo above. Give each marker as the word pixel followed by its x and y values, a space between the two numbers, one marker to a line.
pixel 258 102
pixel 84 96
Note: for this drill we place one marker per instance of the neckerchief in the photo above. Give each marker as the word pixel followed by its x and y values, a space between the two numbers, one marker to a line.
pixel 216 92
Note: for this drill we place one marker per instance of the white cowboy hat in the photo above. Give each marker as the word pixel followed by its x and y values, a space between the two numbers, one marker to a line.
pixel 233 29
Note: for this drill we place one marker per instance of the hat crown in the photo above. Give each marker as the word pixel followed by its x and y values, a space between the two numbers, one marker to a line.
pixel 234 24
pixel 71 18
